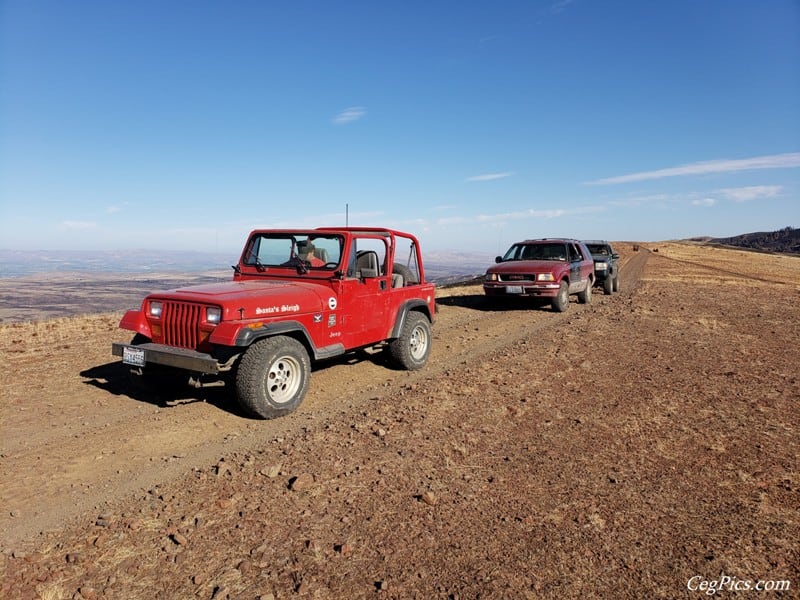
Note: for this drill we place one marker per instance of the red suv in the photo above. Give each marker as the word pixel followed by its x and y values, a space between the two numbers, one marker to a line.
pixel 550 268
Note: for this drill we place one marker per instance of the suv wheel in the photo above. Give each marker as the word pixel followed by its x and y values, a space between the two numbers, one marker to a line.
pixel 608 285
pixel 272 378
pixel 561 301
pixel 410 351
pixel 585 297
pixel 616 282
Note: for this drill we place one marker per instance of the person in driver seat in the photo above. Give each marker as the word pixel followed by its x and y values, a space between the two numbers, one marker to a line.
pixel 305 250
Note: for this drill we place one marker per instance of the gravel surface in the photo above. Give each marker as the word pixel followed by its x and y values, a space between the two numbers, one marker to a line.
pixel 634 447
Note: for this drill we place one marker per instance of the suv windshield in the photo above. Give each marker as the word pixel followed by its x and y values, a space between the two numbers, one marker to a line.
pixel 292 249
pixel 545 251
pixel 598 249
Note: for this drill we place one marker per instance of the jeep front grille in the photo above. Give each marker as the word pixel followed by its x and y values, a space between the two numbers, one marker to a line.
pixel 180 323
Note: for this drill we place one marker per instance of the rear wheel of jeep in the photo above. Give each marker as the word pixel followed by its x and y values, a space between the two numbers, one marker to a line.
pixel 272 378
pixel 608 285
pixel 410 351
pixel 561 302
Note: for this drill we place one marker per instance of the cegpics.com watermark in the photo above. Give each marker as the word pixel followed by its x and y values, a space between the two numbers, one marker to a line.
pixel 729 583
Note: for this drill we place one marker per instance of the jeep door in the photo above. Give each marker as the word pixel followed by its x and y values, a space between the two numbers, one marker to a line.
pixel 365 293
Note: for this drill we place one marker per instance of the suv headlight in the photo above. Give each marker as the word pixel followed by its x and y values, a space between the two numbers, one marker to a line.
pixel 491 277
pixel 213 315
pixel 155 309
pixel 545 277
pixel 600 266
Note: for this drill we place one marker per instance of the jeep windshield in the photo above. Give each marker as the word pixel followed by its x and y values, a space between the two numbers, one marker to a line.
pixel 284 249
pixel 536 252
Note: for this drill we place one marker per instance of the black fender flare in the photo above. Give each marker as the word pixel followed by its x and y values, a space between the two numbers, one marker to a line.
pixel 402 313
pixel 248 336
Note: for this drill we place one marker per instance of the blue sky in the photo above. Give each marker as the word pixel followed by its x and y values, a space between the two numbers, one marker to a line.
pixel 184 124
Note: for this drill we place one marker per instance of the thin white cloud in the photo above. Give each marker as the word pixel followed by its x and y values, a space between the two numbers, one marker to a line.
pixel 489 176
pixel 348 115
pixel 77 225
pixel 707 202
pixel 116 208
pixel 354 217
pixel 775 161
pixel 559 6
pixel 530 213
pixel 641 200
pixel 744 194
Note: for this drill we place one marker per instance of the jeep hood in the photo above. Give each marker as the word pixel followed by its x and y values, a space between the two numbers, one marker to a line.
pixel 254 299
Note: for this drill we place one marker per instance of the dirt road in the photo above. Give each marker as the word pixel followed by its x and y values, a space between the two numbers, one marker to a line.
pixel 618 448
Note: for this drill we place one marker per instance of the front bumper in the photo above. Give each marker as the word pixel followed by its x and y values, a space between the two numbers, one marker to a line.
pixel 600 276
pixel 524 288
pixel 180 358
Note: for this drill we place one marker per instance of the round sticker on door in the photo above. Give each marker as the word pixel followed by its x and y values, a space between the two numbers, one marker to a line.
pixel 332 303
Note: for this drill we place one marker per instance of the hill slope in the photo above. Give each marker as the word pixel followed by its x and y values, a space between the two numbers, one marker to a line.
pixel 786 240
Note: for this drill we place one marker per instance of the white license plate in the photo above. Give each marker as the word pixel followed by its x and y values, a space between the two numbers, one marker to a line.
pixel 513 289
pixel 133 356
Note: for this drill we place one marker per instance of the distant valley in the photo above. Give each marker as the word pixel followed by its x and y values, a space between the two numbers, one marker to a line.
pixel 41 285
pixel 439 266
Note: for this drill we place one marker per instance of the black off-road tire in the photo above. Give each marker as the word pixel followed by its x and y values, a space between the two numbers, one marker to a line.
pixel 408 275
pixel 272 378
pixel 561 302
pixel 616 282
pixel 410 351
pixel 608 285
pixel 159 380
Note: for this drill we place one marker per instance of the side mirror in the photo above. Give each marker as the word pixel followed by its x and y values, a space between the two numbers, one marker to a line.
pixel 498 259
pixel 614 255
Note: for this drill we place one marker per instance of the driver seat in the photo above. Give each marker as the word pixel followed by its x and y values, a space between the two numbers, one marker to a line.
pixel 367 264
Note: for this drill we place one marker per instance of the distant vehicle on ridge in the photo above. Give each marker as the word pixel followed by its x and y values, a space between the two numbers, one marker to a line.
pixel 606 265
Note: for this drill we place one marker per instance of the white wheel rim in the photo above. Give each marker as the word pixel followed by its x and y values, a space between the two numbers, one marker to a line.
pixel 418 343
pixel 283 379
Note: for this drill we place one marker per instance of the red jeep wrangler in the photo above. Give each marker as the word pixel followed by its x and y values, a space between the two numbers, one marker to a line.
pixel 548 268
pixel 296 296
